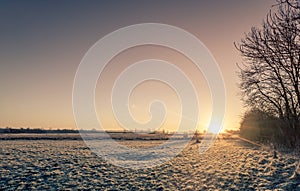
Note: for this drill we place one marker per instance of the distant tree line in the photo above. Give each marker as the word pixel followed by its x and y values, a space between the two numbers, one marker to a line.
pixel 270 76
pixel 36 131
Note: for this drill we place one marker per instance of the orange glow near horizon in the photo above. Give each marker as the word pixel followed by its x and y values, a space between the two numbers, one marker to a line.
pixel 41 53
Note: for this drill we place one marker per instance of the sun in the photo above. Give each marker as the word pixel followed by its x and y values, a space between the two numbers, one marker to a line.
pixel 215 129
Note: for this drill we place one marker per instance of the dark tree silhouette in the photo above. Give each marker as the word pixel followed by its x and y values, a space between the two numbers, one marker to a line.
pixel 270 73
pixel 257 125
pixel 292 3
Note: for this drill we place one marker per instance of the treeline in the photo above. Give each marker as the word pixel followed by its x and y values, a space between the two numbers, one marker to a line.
pixel 270 77
pixel 14 130
pixel 265 128
pixel 260 126
pixel 9 130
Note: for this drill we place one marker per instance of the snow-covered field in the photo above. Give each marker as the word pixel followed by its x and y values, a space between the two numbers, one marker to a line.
pixel 70 164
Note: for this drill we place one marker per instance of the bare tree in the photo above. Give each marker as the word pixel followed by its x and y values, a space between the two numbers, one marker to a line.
pixel 292 3
pixel 270 73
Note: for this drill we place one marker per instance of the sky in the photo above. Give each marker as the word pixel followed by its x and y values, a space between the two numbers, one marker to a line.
pixel 43 42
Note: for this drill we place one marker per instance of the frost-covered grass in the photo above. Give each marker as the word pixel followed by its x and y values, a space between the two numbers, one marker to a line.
pixel 69 164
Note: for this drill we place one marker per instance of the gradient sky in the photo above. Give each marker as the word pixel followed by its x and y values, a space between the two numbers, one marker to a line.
pixel 43 42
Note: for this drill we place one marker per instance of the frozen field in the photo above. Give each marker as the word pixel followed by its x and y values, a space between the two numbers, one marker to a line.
pixel 69 165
